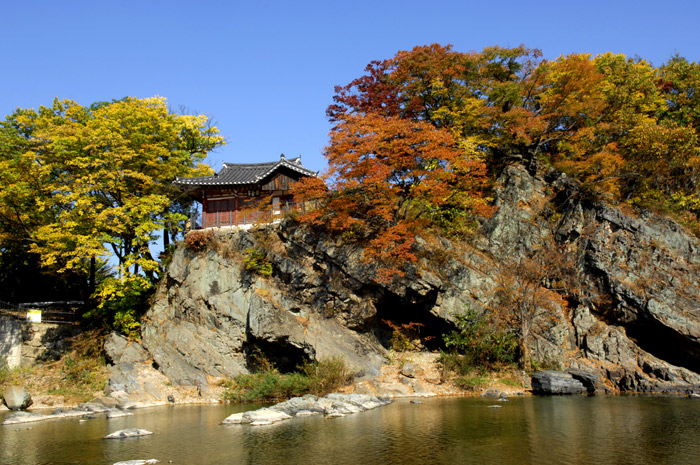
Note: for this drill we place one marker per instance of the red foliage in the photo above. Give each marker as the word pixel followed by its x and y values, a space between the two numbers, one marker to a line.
pixel 197 241
pixel 387 177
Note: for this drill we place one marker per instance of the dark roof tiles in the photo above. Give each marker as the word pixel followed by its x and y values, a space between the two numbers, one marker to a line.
pixel 245 173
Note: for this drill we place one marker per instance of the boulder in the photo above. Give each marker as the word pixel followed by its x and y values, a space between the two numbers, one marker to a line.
pixel 411 370
pixel 265 416
pixel 234 419
pixel 106 401
pixel 357 401
pixel 556 382
pixel 140 383
pixel 17 398
pixel 293 406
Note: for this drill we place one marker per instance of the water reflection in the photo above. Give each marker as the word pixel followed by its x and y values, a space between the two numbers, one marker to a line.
pixel 566 430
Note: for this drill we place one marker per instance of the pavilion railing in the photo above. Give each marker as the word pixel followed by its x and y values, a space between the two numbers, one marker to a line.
pixel 247 217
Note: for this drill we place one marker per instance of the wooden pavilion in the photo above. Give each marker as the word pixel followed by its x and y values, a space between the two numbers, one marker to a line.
pixel 242 194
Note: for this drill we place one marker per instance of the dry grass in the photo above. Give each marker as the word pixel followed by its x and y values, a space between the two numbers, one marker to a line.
pixel 78 376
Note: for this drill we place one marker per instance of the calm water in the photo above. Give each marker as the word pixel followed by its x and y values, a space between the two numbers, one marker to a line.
pixel 554 430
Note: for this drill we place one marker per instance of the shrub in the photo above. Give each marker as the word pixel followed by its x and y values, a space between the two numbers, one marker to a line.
pixel 479 342
pixel 326 376
pixel 197 241
pixel 471 383
pixel 121 304
pixel 405 337
pixel 265 386
pixel 317 378
pixel 256 262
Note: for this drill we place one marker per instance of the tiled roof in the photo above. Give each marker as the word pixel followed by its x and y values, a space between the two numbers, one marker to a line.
pixel 244 173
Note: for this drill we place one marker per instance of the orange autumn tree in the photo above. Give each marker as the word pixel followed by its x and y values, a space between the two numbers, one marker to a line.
pixel 388 178
pixel 592 116
pixel 413 138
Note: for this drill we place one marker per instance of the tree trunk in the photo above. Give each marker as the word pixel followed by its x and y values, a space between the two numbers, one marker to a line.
pixel 91 278
pixel 525 361
pixel 166 236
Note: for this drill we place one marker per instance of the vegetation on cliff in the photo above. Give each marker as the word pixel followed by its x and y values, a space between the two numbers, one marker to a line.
pixel 417 138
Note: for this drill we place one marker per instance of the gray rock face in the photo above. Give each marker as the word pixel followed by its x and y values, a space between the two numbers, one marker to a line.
pixel 410 370
pixel 637 320
pixel 17 398
pixel 211 311
pixel 634 325
pixel 556 382
pixel 121 350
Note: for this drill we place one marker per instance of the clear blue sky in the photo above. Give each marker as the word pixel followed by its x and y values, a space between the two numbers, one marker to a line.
pixel 265 70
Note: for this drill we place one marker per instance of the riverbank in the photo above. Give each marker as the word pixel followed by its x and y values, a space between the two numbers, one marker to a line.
pixel 66 384
pixel 420 374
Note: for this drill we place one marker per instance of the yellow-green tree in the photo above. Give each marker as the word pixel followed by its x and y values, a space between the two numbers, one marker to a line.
pixel 84 182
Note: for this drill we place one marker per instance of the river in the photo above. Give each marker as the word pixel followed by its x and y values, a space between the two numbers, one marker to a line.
pixel 525 430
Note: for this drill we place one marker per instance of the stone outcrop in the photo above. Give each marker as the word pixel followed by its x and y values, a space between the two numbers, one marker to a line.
pixel 637 318
pixel 206 329
pixel 634 321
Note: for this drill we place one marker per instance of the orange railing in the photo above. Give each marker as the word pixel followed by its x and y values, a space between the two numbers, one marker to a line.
pixel 245 217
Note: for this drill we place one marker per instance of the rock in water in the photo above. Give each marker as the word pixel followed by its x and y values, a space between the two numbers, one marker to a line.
pixel 24 417
pixel 263 416
pixel 17 398
pixel 333 405
pixel 128 433
pixel 589 380
pixel 116 413
pixel 556 382
pixel 137 462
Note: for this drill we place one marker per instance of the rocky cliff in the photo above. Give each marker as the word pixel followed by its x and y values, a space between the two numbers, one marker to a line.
pixel 635 318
